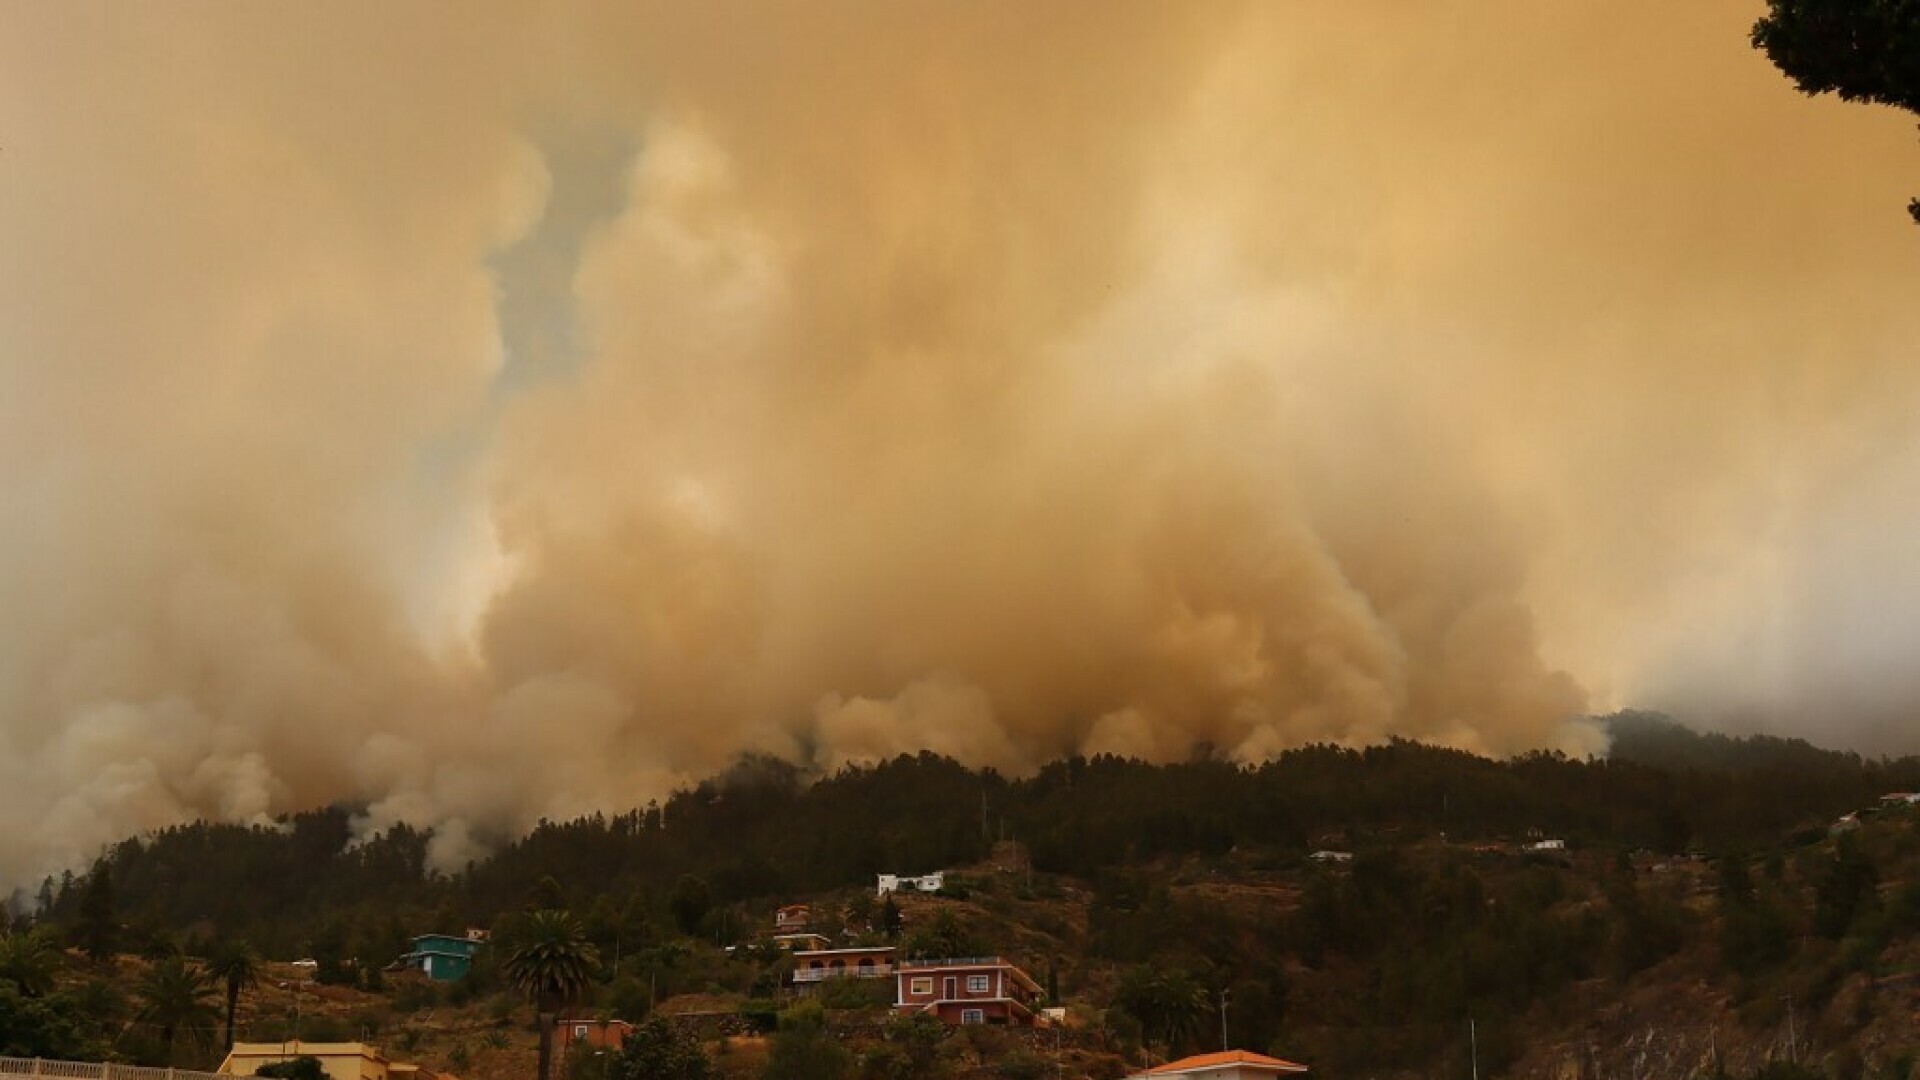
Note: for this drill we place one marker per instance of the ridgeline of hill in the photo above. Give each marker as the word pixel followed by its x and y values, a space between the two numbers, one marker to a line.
pixel 1706 888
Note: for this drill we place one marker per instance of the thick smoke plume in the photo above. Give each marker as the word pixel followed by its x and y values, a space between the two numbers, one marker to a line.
pixel 503 412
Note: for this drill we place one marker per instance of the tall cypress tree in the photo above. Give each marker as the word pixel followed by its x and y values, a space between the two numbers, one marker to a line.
pixel 98 929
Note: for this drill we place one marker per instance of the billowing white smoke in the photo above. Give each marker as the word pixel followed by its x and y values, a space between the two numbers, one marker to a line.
pixel 999 380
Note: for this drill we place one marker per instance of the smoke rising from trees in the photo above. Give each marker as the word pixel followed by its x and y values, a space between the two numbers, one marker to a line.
pixel 521 413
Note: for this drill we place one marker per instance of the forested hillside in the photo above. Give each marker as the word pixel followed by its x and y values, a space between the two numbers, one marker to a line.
pixel 1712 868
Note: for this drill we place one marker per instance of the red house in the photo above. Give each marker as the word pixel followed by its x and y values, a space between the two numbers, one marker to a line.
pixel 591 1034
pixel 1230 1065
pixel 967 990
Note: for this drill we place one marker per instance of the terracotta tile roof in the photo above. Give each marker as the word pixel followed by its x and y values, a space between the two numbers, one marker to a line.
pixel 1230 1057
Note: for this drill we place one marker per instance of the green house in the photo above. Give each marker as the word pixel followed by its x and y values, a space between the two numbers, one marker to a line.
pixel 443 957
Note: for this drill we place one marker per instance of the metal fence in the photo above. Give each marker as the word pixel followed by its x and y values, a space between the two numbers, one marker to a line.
pixel 822 974
pixel 95 1070
pixel 951 961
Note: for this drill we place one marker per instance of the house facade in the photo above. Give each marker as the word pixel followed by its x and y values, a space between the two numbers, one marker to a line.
pixel 1230 1065
pixel 967 990
pixel 577 1034
pixel 803 941
pixel 339 1061
pixel 792 917
pixel 815 966
pixel 443 957
pixel 926 883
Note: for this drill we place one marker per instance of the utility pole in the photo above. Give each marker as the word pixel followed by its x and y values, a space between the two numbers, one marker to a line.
pixel 1473 1041
pixel 297 987
pixel 1224 1045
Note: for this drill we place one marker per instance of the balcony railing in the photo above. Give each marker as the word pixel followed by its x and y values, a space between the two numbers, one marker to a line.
pixel 822 974
pixel 94 1070
pixel 954 961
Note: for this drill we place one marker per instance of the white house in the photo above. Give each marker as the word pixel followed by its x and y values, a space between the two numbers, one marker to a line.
pixel 1231 1065
pixel 1331 856
pixel 1547 845
pixel 924 883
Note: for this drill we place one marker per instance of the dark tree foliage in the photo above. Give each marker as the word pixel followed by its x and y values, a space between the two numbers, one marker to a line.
pixel 1196 870
pixel 234 965
pixel 1846 890
pixel 1170 1005
pixel 1736 884
pixel 910 1051
pixel 29 961
pixel 303 1067
pixel 1782 1069
pixel 552 963
pixel 1438 937
pixel 1649 925
pixel 271 885
pixel 45 1027
pixel 174 1002
pixel 945 936
pixel 98 927
pixel 803 1050
pixel 1756 933
pixel 758 834
pixel 1862 50
pixel 690 901
pixel 328 949
pixel 657 1051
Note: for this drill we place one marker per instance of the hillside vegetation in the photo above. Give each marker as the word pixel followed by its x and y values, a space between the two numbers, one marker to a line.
pixel 1709 913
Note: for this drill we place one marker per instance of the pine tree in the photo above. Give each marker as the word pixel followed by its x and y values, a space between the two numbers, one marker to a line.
pixel 690 901
pixel 890 919
pixel 98 930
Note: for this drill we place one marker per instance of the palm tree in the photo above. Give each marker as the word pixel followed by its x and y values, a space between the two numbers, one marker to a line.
pixel 173 998
pixel 29 961
pixel 235 963
pixel 1166 1001
pixel 551 962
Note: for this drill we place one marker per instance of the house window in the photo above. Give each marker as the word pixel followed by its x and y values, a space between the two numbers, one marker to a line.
pixel 979 984
pixel 920 987
pixel 579 1032
pixel 973 1016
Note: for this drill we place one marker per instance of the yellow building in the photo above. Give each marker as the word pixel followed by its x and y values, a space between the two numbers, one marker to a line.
pixel 340 1061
